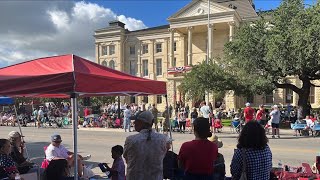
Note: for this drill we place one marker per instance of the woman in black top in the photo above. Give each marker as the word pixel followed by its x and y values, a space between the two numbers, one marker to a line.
pixel 194 115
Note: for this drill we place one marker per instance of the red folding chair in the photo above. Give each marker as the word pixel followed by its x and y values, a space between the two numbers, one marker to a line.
pixel 45 162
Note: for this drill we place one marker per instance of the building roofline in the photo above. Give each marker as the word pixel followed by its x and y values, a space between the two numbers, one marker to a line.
pixel 151 28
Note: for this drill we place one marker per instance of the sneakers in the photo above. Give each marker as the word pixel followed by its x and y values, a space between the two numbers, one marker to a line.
pixel 87 157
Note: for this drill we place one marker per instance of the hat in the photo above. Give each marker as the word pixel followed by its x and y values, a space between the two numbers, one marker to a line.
pixel 275 106
pixel 14 134
pixel 247 104
pixel 146 117
pixel 56 138
pixel 216 140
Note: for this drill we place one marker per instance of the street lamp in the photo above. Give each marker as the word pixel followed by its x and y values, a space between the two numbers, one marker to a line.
pixel 209 45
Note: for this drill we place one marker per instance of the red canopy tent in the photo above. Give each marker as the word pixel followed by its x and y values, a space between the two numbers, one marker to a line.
pixel 70 76
pixel 60 76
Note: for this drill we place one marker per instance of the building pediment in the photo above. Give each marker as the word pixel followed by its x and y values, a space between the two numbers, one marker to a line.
pixel 198 8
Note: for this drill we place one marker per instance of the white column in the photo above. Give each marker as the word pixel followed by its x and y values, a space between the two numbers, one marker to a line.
pixel 97 54
pixel 189 45
pixel 171 30
pixel 139 51
pixel 231 30
pixel 210 41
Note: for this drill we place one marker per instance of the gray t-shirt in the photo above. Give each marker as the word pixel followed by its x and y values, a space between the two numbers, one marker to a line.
pixel 275 116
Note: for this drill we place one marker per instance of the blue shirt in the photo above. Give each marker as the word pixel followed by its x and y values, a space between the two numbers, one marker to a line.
pixel 259 164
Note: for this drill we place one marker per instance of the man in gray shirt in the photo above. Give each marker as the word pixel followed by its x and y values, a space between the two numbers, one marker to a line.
pixel 275 120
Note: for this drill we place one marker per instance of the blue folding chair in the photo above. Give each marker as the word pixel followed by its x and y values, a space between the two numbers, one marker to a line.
pixel 235 126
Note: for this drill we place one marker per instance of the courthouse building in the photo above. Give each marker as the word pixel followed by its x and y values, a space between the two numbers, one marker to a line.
pixel 152 52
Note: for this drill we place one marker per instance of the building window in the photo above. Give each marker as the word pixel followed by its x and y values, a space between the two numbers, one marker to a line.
pixel 104 50
pixel 104 63
pixel 175 46
pixel 158 47
pixel 111 49
pixel 132 99
pixel 132 68
pixel 159 67
pixel 159 99
pixel 145 49
pixel 174 63
pixel 269 98
pixel 145 99
pixel 132 50
pixel 289 96
pixel 145 67
pixel 312 95
pixel 111 64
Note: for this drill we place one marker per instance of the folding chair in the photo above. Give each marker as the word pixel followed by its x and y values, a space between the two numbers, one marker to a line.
pixel 235 126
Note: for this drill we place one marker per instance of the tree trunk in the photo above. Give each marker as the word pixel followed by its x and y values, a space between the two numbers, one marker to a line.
pixel 304 97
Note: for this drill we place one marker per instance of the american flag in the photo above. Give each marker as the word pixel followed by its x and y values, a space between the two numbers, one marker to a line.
pixel 176 70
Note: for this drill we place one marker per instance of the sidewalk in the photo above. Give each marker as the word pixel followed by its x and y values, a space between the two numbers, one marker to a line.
pixel 225 130
pixel 101 129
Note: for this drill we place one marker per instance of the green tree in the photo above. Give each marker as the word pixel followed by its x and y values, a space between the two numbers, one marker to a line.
pixel 270 50
pixel 264 54
pixel 210 77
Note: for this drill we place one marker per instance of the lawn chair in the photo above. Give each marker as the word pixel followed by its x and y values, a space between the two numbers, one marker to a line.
pixel 45 162
pixel 235 126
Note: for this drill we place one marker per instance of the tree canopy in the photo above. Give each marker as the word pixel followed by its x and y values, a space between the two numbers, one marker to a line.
pixel 265 53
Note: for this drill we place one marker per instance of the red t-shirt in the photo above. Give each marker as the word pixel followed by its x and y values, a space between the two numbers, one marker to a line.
pixel 198 156
pixel 249 113
pixel 86 112
pixel 259 114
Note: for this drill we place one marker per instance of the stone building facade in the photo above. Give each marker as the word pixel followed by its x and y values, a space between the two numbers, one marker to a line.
pixel 148 53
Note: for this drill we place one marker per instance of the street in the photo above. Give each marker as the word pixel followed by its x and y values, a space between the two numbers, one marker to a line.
pixel 98 142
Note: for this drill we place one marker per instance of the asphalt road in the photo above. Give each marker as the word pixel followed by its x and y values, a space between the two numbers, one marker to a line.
pixel 98 142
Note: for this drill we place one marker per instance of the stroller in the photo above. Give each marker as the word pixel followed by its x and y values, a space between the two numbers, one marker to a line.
pixel 174 125
pixel 217 125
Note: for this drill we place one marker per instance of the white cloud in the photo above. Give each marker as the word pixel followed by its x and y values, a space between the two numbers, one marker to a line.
pixel 60 19
pixel 43 28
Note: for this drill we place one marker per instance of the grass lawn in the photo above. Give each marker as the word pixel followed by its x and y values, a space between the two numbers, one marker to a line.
pixel 226 122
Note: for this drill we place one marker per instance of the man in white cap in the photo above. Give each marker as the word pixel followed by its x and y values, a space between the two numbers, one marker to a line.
pixel 144 152
pixel 275 120
pixel 248 113
pixel 57 151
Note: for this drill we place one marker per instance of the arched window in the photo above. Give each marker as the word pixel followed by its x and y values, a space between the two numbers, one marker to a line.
pixel 111 64
pixel 104 63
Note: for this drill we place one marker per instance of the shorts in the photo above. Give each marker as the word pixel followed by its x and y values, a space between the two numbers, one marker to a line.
pixel 192 120
pixel 210 122
pixel 275 125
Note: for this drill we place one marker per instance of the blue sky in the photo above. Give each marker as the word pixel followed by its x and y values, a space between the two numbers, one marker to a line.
pixel 38 28
pixel 155 12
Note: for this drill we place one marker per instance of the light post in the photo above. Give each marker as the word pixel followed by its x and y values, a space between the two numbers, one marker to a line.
pixel 209 45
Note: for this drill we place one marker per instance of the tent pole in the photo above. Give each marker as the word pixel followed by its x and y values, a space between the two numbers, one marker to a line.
pixel 168 116
pixel 75 128
pixel 15 110
pixel 119 108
